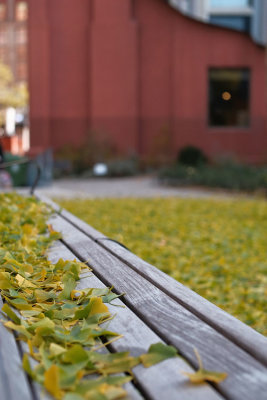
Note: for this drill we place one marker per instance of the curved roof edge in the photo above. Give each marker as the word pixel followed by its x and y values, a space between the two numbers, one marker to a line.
pixel 197 9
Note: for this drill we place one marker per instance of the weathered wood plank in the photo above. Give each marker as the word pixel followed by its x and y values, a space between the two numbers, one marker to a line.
pixel 160 381
pixel 232 328
pixel 13 381
pixel 239 333
pixel 80 224
pixel 38 391
pixel 171 321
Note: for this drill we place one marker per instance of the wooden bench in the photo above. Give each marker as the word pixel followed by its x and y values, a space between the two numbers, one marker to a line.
pixel 158 308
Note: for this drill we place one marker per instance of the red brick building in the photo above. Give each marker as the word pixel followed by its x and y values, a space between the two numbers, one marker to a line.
pixel 145 76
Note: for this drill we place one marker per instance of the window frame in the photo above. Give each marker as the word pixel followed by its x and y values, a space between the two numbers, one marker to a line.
pixel 18 14
pixel 228 128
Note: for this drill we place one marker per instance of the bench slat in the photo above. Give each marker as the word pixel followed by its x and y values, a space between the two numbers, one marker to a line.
pixel 232 328
pixel 160 381
pixel 57 251
pixel 175 324
pixel 13 380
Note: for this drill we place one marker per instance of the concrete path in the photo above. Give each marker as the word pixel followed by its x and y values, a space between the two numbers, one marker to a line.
pixel 122 187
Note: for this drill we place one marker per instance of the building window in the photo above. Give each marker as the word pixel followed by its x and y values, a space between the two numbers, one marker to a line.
pixel 229 97
pixel 230 3
pixel 3 35
pixel 21 51
pixel 21 11
pixel 21 35
pixel 21 71
pixel 3 54
pixel 2 12
pixel 234 14
pixel 240 23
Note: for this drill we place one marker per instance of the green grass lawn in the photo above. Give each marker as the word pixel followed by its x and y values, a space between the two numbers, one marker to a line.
pixel 215 247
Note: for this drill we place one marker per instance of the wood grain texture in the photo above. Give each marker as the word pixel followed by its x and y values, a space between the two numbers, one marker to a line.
pixel 160 381
pixel 91 232
pixel 232 328
pixel 13 381
pixel 235 330
pixel 170 320
pixel 38 391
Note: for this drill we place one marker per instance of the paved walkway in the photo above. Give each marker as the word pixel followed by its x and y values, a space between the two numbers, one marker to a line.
pixel 122 187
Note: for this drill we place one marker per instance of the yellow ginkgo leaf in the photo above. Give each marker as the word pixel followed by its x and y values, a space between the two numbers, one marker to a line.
pixel 51 382
pixel 97 306
pixel 19 328
pixel 5 280
pixel 55 349
pixel 24 283
pixel 202 375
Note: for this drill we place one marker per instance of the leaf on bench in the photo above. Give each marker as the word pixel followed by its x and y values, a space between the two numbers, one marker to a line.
pixel 157 352
pixel 202 375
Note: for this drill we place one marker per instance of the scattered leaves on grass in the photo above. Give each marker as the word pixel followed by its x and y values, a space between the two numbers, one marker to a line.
pixel 216 247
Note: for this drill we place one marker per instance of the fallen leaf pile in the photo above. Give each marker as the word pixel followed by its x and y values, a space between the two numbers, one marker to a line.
pixel 215 247
pixel 62 326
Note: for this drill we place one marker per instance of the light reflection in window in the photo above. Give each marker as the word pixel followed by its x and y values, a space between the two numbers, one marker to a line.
pixel 21 11
pixel 2 12
pixel 230 3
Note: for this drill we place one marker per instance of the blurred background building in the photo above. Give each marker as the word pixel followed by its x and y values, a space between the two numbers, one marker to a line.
pixel 143 77
pixel 14 75
pixel 13 37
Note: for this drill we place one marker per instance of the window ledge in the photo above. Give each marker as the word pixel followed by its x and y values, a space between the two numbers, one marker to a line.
pixel 239 11
pixel 229 129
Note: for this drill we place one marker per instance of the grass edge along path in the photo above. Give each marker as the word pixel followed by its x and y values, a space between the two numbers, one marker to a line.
pixel 215 247
pixel 61 325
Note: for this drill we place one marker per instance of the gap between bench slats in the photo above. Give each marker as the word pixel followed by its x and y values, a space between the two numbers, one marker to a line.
pixel 160 381
pixel 241 334
pixel 175 324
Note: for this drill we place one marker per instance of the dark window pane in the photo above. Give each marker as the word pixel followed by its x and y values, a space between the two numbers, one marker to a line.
pixel 229 97
pixel 240 23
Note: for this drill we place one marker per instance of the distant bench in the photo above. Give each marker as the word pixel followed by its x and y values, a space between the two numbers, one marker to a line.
pixel 158 308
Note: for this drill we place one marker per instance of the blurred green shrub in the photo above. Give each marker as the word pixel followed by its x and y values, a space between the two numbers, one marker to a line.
pixel 77 160
pixel 97 148
pixel 123 167
pixel 191 155
pixel 228 175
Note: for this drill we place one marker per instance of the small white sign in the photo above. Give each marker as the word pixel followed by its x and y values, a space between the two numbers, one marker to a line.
pixel 10 121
